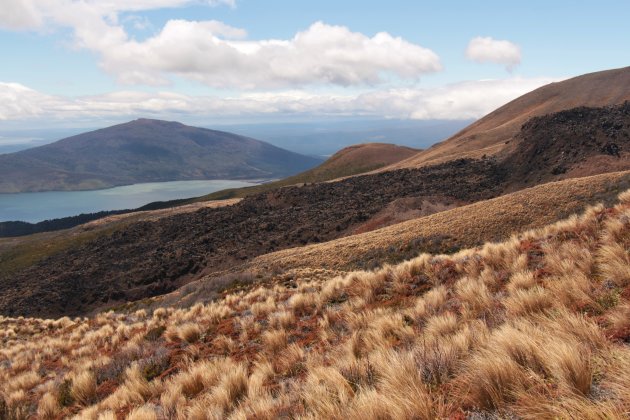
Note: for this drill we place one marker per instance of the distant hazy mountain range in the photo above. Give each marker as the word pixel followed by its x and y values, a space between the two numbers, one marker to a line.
pixel 145 151
pixel 315 138
pixel 324 138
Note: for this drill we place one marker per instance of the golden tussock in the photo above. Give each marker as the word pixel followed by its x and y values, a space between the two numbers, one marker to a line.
pixel 533 327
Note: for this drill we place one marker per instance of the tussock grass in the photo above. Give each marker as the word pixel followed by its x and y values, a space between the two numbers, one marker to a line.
pixel 189 332
pixel 534 327
pixel 525 302
pixel 83 387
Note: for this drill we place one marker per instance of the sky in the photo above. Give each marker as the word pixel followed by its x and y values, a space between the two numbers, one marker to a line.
pixel 74 63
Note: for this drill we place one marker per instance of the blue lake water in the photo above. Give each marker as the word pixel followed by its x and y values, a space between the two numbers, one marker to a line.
pixel 38 206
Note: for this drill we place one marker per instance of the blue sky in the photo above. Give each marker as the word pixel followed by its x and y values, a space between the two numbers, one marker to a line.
pixel 69 62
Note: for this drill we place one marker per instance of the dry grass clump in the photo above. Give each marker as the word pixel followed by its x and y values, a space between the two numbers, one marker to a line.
pixel 48 406
pixel 83 387
pixel 189 332
pixel 521 280
pixel 475 296
pixel 614 264
pixel 142 413
pixel 529 301
pixel 432 302
pixel 534 327
pixel 275 340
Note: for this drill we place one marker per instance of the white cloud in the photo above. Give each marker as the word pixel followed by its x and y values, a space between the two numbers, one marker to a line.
pixel 34 14
pixel 489 50
pixel 19 14
pixel 321 55
pixel 464 100
pixel 216 54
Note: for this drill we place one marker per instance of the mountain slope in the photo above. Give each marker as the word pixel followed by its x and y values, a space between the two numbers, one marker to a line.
pixel 447 231
pixel 352 160
pixel 150 258
pixel 536 327
pixel 145 151
pixel 493 134
pixel 576 142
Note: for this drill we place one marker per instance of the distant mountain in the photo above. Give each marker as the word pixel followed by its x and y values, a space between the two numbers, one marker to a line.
pixel 145 150
pixel 495 133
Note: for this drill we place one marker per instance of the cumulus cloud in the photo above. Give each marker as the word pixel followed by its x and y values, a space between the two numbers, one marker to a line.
pixel 465 100
pixel 217 54
pixel 322 54
pixel 489 50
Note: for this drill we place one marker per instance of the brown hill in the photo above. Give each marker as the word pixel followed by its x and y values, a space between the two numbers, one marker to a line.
pixel 352 160
pixel 493 134
pixel 356 159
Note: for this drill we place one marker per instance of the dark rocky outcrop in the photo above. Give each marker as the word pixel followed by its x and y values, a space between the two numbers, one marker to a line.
pixel 580 141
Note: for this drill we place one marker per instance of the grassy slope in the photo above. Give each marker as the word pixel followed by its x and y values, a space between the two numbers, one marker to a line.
pixel 534 327
pixel 490 134
pixel 349 161
pixel 447 231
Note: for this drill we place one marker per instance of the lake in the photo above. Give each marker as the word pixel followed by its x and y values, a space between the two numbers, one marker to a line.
pixel 38 206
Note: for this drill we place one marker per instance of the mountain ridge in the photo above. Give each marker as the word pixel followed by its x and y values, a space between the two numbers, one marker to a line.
pixel 494 133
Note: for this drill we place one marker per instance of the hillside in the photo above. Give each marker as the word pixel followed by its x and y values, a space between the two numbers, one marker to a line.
pixel 450 230
pixel 494 133
pixel 352 160
pixel 145 151
pixel 151 258
pixel 534 327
